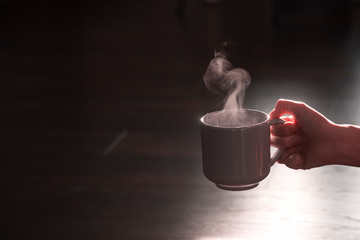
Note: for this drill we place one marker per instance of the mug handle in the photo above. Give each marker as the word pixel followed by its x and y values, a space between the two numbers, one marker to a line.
pixel 279 151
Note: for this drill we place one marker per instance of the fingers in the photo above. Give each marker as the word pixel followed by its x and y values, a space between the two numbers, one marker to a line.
pixel 284 129
pixel 290 151
pixel 285 141
pixel 293 158
pixel 285 135
pixel 295 161
pixel 284 106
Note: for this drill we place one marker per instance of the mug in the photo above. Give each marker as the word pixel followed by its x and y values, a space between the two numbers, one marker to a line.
pixel 236 155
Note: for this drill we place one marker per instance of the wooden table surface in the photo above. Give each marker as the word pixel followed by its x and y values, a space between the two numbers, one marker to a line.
pixel 100 107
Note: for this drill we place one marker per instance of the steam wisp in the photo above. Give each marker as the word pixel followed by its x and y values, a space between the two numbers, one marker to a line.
pixel 221 76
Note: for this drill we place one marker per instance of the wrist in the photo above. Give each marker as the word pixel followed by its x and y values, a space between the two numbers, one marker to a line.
pixel 346 142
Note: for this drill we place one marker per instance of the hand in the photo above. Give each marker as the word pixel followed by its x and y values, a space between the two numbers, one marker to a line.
pixel 309 141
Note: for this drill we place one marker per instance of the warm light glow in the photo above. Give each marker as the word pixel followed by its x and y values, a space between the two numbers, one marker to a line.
pixel 288 118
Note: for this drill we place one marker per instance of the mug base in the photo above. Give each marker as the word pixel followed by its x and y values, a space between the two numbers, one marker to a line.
pixel 237 187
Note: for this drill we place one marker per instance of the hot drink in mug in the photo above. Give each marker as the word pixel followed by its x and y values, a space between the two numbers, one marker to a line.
pixel 236 147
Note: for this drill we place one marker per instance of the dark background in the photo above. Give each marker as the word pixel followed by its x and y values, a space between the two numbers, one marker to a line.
pixel 100 103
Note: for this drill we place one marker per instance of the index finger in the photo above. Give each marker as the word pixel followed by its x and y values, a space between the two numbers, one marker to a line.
pixel 284 106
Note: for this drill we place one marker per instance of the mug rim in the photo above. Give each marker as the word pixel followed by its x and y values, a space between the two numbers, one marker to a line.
pixel 239 127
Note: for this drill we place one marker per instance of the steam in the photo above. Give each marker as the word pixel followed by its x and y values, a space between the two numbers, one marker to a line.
pixel 222 77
